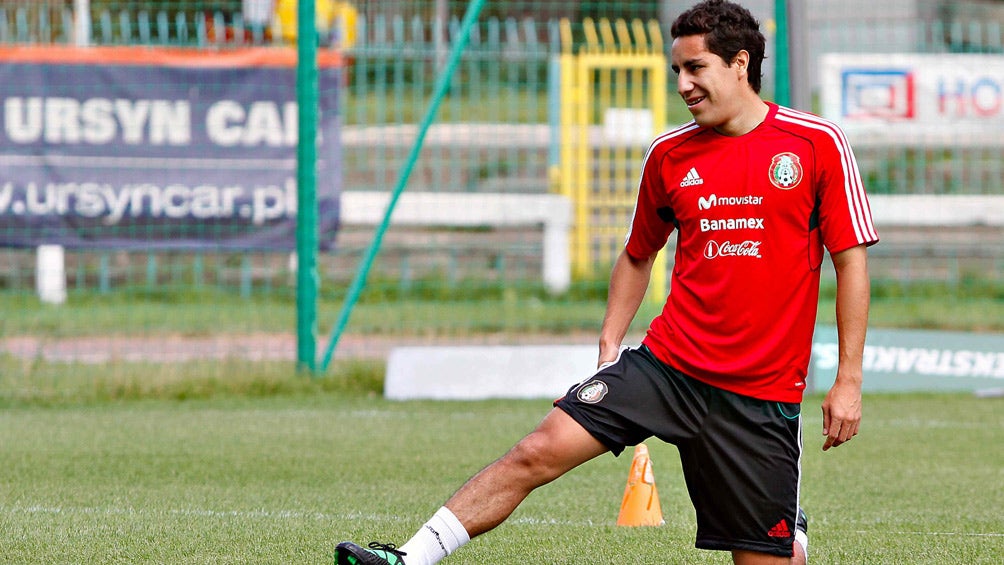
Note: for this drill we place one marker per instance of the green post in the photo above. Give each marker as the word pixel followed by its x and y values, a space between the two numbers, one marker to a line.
pixel 782 76
pixel 439 91
pixel 306 182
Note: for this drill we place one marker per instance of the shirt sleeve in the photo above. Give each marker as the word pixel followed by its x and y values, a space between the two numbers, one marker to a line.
pixel 653 219
pixel 845 217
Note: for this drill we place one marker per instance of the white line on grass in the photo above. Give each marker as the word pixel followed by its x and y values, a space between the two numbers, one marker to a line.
pixel 534 521
pixel 197 512
pixel 262 514
pixel 963 534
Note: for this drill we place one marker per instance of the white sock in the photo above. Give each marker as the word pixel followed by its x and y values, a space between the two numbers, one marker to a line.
pixel 440 536
pixel 803 540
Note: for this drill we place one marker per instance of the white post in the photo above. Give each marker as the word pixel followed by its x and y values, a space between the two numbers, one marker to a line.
pixel 82 22
pixel 557 260
pixel 50 274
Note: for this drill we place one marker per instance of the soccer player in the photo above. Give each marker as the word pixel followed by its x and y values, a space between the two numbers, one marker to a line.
pixel 755 192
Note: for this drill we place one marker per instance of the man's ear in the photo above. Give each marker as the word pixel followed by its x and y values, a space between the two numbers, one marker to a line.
pixel 742 61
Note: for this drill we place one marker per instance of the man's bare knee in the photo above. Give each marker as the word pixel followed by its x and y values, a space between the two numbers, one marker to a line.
pixel 756 558
pixel 532 460
pixel 555 447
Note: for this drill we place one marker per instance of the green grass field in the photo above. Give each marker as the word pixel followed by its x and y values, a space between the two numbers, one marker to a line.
pixel 282 477
pixel 972 307
pixel 240 461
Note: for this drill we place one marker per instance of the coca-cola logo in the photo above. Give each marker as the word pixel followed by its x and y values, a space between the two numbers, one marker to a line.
pixel 748 248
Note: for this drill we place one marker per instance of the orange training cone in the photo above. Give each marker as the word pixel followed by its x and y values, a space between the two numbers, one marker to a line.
pixel 640 506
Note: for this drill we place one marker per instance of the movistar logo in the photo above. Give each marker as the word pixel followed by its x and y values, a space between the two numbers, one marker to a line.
pixel 712 201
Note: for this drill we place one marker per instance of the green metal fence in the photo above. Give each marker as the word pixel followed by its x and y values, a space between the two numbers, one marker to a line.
pixel 504 80
pixel 493 134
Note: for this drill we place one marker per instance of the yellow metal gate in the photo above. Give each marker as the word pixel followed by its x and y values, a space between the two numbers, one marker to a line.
pixel 612 104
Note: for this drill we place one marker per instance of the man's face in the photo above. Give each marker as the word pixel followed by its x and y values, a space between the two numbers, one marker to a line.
pixel 712 89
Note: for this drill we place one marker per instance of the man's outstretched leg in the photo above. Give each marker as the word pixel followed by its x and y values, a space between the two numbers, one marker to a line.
pixel 558 445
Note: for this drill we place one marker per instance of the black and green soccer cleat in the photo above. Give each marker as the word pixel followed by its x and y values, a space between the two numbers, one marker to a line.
pixel 348 553
pixel 802 521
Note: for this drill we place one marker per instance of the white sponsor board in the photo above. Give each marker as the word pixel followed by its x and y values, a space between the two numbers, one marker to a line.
pixel 894 361
pixel 915 99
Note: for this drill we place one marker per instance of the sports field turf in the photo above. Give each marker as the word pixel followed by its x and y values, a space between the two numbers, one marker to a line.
pixel 282 479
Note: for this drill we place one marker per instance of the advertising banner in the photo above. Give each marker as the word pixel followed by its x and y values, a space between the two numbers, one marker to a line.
pixel 147 148
pixel 915 360
pixel 942 99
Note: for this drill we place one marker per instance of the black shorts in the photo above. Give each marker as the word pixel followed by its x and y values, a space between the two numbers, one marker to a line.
pixel 740 455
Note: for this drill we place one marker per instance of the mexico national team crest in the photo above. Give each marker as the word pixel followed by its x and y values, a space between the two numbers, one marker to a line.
pixel 785 171
pixel 592 392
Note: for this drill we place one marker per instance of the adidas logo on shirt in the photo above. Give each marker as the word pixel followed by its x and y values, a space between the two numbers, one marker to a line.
pixel 692 178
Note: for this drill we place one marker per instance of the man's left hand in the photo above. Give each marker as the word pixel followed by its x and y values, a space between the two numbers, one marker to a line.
pixel 841 412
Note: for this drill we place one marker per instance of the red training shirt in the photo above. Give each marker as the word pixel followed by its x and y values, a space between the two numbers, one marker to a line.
pixel 753 213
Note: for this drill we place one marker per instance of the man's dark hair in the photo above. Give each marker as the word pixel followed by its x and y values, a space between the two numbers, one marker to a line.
pixel 727 28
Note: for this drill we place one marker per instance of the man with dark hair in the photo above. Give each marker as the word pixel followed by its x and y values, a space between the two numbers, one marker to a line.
pixel 755 192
